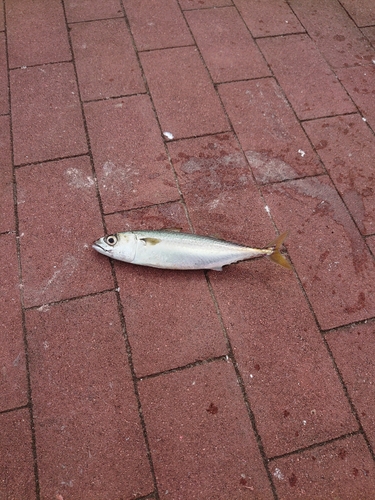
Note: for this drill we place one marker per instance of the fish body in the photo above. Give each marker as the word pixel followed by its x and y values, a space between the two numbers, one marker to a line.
pixel 183 251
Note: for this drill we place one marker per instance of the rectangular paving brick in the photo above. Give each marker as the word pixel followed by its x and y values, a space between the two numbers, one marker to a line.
pixel 46 114
pixel 89 438
pixel 291 383
pixel 129 155
pixel 329 254
pixel 89 10
pixel 4 99
pixel 170 317
pixel 343 469
pixel 7 222
pixel 217 184
pixel 202 4
pixel 362 11
pixel 106 62
pixel 157 25
pixel 360 84
pixel 13 377
pixel 347 148
pixel 16 457
pixel 268 18
pixel 307 80
pixel 57 232
pixel 201 439
pixel 274 142
pixel 185 100
pixel 335 34
pixel 226 45
pixel 353 350
pixel 36 32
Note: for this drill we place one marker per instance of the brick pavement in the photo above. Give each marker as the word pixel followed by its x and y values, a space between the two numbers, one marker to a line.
pixel 123 382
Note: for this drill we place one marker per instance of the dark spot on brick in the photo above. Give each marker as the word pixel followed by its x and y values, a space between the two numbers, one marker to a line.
pixel 339 38
pixel 296 434
pixel 293 480
pixel 213 409
pixel 243 481
pixel 322 144
pixel 313 458
pixel 286 413
pixel 355 472
pixel 342 453
pixel 257 367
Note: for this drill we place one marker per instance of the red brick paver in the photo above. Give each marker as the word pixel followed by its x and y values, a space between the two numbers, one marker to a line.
pixel 239 119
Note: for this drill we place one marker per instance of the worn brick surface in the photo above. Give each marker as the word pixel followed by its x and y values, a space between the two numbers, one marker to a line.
pixel 13 378
pixel 200 435
pixel 6 178
pixel 184 98
pixel 371 244
pixel 202 4
pixel 157 25
pixel 217 185
pixel 36 32
pixel 226 45
pixel 129 155
pixel 335 34
pixel 363 11
pixel 342 469
pixel 370 34
pixel 88 435
pixel 107 65
pixel 353 349
pixel 267 128
pixel 47 120
pixel 171 320
pixel 2 25
pixel 347 148
pixel 56 235
pixel 16 458
pixel 4 99
pixel 331 258
pixel 268 18
pixel 309 84
pixel 360 83
pixel 281 357
pixel 89 10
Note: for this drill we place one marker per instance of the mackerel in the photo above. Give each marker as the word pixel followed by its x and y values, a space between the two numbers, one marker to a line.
pixel 182 251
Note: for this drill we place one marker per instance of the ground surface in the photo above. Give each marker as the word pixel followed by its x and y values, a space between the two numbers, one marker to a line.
pixel 123 382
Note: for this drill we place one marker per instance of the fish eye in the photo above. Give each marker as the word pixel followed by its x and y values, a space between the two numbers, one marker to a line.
pixel 111 240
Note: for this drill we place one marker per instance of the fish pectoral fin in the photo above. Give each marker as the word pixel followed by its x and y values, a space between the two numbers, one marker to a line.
pixel 150 241
pixel 216 268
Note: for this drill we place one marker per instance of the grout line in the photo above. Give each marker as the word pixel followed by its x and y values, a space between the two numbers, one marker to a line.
pixel 177 369
pixel 20 279
pixel 315 445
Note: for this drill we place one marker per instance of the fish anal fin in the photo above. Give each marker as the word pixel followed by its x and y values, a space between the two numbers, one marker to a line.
pixel 216 268
pixel 172 229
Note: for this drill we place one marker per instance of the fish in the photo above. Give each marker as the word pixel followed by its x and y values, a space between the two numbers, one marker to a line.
pixel 166 249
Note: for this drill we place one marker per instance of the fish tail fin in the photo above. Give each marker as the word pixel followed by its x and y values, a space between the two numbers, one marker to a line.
pixel 276 255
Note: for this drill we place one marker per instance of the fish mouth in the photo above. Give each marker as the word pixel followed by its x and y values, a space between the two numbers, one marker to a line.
pixel 98 247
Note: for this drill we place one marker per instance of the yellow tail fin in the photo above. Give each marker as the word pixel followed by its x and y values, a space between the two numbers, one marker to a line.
pixel 276 255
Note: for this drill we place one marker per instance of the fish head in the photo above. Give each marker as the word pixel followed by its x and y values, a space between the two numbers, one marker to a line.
pixel 120 246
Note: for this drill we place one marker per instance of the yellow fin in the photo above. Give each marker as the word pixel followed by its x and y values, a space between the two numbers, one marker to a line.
pixel 151 241
pixel 276 255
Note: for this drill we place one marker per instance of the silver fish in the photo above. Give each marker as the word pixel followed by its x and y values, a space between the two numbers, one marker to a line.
pixel 184 251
